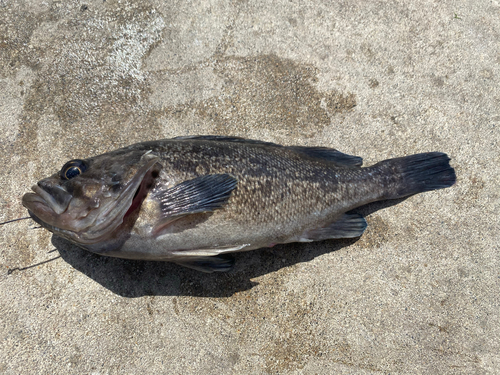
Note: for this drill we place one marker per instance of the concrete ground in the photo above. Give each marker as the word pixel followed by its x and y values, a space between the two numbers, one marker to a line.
pixel 418 293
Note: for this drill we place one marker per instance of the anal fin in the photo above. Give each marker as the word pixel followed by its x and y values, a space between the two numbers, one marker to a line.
pixel 209 264
pixel 348 226
pixel 209 252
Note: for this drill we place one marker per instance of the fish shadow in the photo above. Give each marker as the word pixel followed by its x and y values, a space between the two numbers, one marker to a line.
pixel 134 278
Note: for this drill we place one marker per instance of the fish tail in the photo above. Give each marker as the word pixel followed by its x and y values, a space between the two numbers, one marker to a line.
pixel 415 174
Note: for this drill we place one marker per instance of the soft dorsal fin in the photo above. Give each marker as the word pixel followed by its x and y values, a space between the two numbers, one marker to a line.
pixel 330 154
pixel 336 157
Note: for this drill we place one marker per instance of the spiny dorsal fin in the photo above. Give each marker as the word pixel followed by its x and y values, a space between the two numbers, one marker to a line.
pixel 223 138
pixel 329 154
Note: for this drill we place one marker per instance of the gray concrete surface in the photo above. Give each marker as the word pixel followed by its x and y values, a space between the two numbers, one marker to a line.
pixel 417 294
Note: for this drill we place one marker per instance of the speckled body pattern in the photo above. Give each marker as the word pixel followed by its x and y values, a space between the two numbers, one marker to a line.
pixel 280 194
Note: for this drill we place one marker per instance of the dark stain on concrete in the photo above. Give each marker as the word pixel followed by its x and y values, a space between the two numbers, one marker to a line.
pixel 266 92
pixel 16 28
pixel 373 83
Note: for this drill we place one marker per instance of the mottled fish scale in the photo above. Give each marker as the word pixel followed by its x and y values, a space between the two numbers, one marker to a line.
pixel 271 185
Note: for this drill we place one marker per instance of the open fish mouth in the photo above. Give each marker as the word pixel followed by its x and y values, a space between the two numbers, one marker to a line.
pixel 66 216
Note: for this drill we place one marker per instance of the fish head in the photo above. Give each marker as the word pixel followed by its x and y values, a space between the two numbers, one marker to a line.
pixel 88 200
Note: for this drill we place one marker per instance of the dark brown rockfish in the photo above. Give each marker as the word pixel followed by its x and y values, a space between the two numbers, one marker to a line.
pixel 189 200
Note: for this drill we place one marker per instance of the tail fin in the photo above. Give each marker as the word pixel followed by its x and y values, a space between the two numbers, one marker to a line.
pixel 416 174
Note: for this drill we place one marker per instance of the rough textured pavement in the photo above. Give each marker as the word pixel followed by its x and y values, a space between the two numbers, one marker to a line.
pixel 417 293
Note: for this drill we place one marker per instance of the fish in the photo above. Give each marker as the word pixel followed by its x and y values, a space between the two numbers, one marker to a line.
pixel 193 200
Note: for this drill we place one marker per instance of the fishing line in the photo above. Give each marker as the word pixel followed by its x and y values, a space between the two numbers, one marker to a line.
pixel 11 221
pixel 9 272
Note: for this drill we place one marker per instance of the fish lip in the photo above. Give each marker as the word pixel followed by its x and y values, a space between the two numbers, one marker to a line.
pixel 36 202
pixel 32 197
pixel 41 196
pixel 29 200
pixel 50 201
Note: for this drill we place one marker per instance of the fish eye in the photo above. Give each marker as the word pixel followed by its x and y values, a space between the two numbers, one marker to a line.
pixel 72 169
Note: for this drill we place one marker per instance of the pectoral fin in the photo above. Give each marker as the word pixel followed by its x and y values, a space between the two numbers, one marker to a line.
pixel 348 226
pixel 201 194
